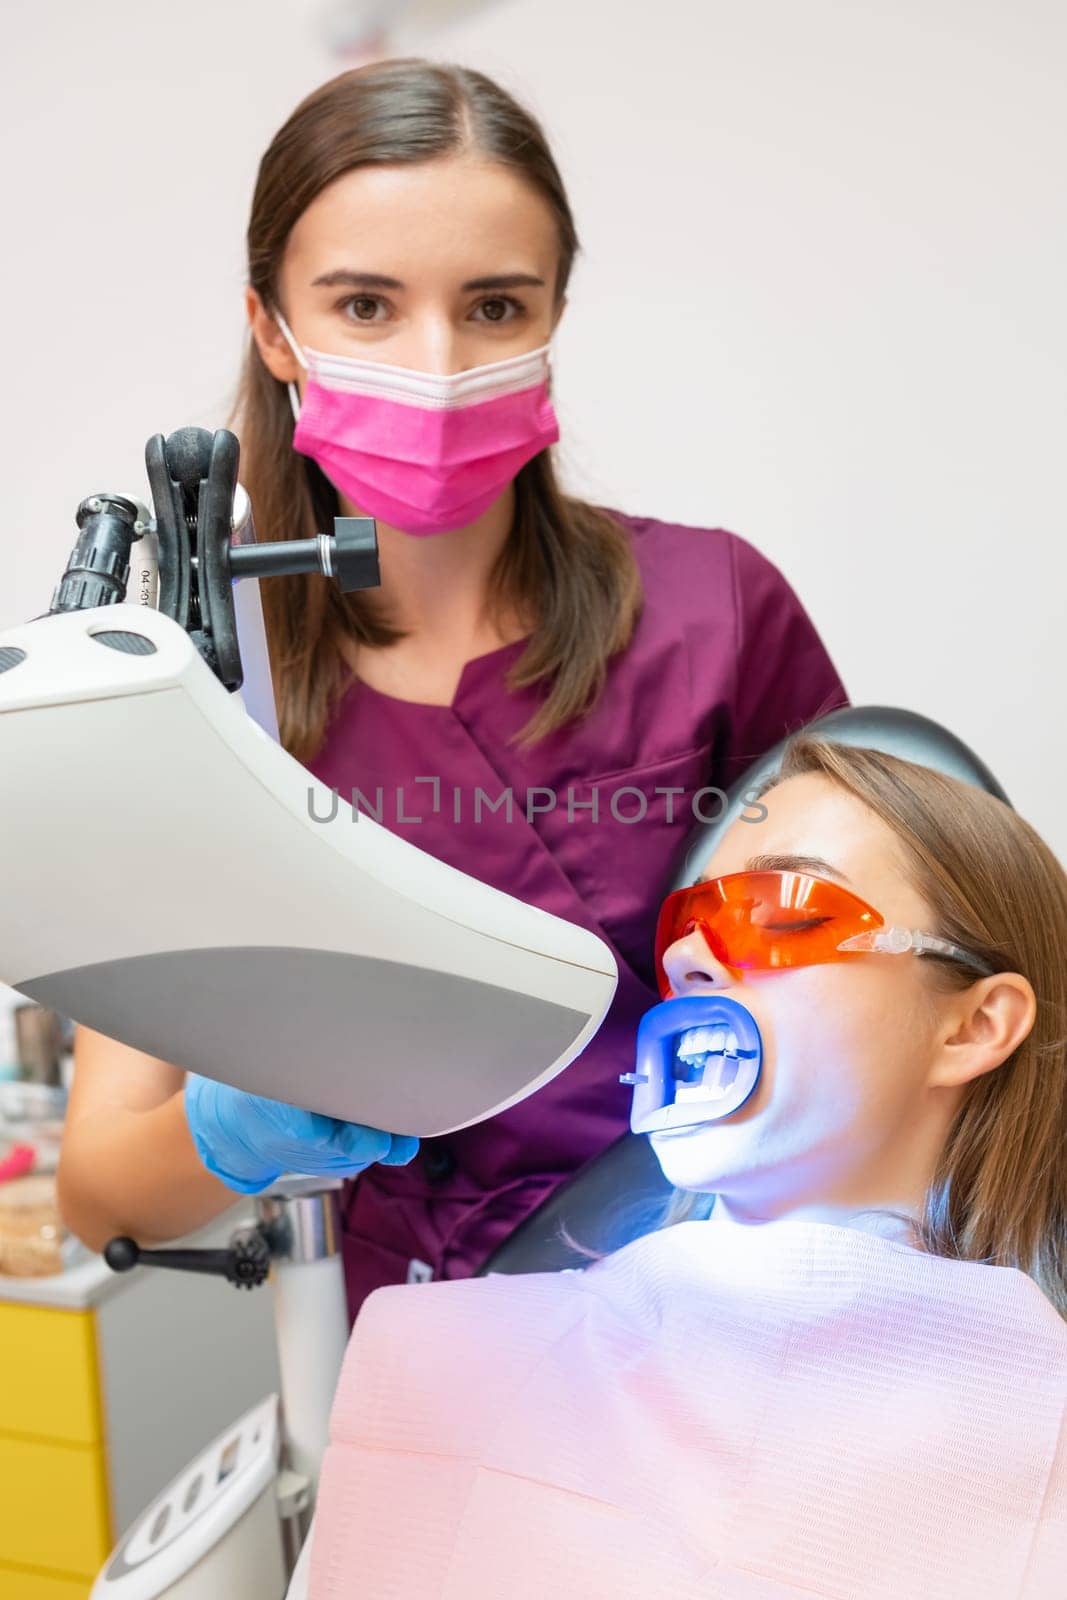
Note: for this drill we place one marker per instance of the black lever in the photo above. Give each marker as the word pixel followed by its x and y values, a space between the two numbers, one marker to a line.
pixel 349 555
pixel 245 1264
pixel 193 475
pixel 193 478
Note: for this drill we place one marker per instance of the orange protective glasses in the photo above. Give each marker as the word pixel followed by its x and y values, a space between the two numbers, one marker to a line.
pixel 763 921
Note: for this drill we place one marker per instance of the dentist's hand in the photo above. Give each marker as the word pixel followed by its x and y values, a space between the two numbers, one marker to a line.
pixel 249 1141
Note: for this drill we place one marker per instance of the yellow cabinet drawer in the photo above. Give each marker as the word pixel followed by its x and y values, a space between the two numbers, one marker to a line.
pixel 55 1511
pixel 17 1584
pixel 48 1362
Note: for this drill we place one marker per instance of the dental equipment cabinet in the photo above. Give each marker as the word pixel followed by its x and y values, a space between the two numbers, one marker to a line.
pixel 254 942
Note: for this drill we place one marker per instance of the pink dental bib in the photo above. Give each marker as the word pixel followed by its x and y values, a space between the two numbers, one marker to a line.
pixel 717 1412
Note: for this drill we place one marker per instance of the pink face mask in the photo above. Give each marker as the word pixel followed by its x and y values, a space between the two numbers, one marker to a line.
pixel 425 453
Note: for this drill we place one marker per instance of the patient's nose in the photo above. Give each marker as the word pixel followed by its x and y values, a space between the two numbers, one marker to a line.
pixel 693 968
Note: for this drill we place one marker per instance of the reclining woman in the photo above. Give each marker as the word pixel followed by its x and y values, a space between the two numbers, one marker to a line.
pixel 841 1370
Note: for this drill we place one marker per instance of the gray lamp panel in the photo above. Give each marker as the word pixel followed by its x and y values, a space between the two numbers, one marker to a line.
pixel 347 1035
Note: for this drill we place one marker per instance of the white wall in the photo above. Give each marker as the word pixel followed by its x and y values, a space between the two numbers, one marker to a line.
pixel 820 301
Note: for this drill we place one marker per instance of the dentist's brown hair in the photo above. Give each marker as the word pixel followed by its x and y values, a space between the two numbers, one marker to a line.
pixel 567 566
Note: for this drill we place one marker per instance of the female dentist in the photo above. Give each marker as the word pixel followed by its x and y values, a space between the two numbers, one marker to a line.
pixel 543 693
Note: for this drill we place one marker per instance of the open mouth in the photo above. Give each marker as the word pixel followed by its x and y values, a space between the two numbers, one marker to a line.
pixel 705 1064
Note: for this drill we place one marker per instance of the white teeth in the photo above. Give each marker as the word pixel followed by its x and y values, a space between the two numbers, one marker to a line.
pixel 701 1041
pixel 712 1052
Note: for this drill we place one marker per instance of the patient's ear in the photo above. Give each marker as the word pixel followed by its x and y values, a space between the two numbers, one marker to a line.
pixel 983 1026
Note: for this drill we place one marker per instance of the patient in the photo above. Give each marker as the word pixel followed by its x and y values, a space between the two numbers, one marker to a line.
pixel 844 1374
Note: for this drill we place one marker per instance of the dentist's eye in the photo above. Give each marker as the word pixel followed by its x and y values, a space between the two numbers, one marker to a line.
pixel 361 299
pixel 504 300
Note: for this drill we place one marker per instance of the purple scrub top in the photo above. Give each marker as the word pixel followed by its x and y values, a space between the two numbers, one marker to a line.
pixel 724 661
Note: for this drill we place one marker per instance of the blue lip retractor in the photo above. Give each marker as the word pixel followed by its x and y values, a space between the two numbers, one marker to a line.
pixel 658 1072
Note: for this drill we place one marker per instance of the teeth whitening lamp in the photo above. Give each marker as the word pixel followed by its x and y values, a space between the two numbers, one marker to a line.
pixel 221 908
pixel 178 882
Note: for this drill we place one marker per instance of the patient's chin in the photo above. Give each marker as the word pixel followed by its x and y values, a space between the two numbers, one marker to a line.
pixel 688 1157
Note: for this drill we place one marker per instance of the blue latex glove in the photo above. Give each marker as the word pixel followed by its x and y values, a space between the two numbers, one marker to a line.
pixel 249 1141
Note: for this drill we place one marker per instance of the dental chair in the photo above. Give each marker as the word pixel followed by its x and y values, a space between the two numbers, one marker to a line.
pixel 622 1192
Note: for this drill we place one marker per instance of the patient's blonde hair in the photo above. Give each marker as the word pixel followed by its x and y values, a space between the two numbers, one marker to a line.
pixel 999 1190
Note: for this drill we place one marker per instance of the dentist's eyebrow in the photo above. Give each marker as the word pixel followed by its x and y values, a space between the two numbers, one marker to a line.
pixel 790 863
pixel 377 280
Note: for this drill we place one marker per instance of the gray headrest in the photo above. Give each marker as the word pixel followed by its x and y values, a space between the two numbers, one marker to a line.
pixel 887 728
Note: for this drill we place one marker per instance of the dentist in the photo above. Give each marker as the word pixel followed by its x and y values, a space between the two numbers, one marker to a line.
pixel 544 692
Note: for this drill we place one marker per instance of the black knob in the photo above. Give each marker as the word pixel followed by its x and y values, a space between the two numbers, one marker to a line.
pixel 188 455
pixel 122 1253
pixel 245 1263
pixel 251 1259
pixel 354 553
